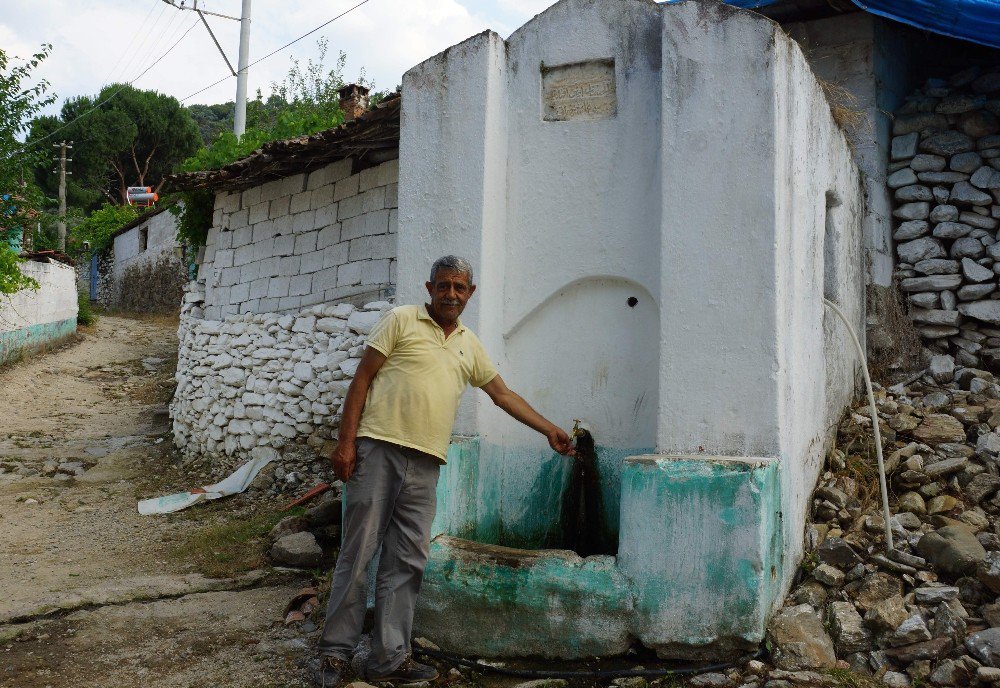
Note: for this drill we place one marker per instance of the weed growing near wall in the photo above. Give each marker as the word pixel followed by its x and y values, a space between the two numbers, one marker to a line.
pixel 85 315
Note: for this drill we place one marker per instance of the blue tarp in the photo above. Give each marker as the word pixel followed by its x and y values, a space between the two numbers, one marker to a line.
pixel 977 21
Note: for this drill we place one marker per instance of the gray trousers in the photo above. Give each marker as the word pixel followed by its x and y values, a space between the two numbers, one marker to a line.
pixel 389 501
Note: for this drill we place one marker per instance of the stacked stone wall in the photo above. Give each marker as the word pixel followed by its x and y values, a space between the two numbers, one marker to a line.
pixel 105 277
pixel 264 379
pixel 308 239
pixel 151 287
pixel 146 277
pixel 945 176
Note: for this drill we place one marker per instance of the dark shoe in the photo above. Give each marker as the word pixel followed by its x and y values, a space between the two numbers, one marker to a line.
pixel 330 672
pixel 410 671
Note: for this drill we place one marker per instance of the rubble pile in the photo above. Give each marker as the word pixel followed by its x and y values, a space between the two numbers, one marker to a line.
pixel 309 540
pixel 926 613
pixel 945 176
pixel 259 380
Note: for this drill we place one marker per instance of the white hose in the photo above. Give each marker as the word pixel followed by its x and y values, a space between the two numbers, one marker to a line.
pixel 878 434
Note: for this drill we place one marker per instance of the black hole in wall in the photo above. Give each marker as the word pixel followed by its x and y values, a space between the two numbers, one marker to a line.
pixel 632 301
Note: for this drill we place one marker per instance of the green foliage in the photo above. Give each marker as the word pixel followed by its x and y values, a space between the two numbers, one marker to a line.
pixel 11 278
pixel 85 315
pixel 45 227
pixel 133 138
pixel 100 225
pixel 194 214
pixel 20 100
pixel 232 545
pixel 376 97
pixel 212 120
pixel 304 103
pixel 810 560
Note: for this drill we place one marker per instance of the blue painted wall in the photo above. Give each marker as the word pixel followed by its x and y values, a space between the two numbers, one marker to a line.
pixel 33 337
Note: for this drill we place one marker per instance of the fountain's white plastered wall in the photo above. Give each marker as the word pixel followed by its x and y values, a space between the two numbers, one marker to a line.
pixel 717 192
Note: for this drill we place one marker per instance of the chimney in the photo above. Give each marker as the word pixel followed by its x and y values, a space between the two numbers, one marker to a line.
pixel 353 101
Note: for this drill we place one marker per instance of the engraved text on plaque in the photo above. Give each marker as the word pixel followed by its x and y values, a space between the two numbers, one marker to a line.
pixel 579 91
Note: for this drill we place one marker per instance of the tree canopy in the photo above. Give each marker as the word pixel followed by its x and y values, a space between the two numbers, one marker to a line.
pixel 212 120
pixel 130 137
pixel 20 100
pixel 98 227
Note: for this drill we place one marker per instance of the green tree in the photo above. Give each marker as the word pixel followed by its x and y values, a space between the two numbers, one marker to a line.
pixel 20 101
pixel 212 120
pixel 129 137
pixel 98 227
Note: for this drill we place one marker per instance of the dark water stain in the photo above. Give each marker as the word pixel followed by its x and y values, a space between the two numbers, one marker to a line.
pixel 583 523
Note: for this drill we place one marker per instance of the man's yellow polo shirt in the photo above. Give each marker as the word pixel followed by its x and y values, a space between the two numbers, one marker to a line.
pixel 414 397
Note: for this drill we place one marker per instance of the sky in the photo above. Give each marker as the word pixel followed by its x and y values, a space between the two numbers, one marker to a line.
pixel 104 41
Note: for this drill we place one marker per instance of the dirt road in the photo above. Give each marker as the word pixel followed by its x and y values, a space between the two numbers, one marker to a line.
pixel 91 593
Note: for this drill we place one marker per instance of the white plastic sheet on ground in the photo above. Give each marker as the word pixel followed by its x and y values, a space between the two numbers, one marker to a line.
pixel 237 482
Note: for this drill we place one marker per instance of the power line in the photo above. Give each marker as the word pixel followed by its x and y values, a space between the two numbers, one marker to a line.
pixel 109 98
pixel 158 41
pixel 275 52
pixel 128 47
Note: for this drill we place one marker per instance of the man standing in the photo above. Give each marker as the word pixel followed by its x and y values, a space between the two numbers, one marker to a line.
pixel 394 436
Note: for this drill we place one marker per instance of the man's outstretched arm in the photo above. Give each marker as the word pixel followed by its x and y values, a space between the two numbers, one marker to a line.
pixel 520 410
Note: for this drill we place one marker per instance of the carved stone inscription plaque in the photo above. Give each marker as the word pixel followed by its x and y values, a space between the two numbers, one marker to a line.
pixel 579 91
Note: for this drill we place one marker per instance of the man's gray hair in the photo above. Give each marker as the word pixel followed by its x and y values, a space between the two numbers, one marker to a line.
pixel 451 263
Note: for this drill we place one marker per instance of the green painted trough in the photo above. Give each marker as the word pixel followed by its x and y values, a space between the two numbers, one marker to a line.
pixel 697 569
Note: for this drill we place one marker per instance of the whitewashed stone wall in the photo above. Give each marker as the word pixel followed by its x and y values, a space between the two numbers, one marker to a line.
pixel 303 240
pixel 150 278
pixel 865 56
pixel 34 318
pixel 161 241
pixel 264 379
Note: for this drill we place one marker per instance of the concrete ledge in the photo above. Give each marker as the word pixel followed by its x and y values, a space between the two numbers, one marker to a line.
pixel 701 541
pixel 488 600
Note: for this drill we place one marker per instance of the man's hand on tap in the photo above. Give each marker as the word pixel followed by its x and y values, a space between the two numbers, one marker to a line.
pixel 560 441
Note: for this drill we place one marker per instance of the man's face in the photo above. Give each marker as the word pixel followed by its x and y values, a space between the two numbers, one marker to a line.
pixel 449 292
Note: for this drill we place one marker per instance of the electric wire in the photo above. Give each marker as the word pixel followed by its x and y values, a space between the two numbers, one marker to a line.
pixel 128 47
pixel 581 674
pixel 275 52
pixel 162 38
pixel 145 49
pixel 109 98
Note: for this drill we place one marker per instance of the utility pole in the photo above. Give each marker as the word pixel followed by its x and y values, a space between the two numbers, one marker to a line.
pixel 240 116
pixel 63 147
pixel 240 111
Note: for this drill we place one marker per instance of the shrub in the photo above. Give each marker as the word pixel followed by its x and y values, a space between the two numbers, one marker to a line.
pixel 85 316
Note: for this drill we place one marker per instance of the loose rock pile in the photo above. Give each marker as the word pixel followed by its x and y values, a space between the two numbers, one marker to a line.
pixel 928 613
pixel 945 173
pixel 259 380
pixel 309 540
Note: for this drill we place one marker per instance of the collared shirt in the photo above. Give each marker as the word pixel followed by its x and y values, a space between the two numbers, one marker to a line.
pixel 414 397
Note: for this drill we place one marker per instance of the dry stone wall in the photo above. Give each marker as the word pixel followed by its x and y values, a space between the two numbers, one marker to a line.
pixel 148 273
pixel 945 176
pixel 264 379
pixel 308 239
